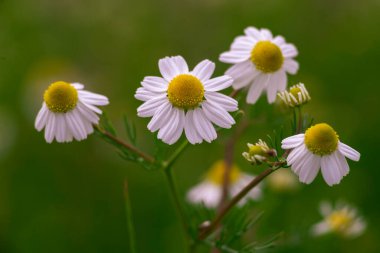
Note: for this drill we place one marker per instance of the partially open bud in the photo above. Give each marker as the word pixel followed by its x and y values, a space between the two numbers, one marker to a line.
pixel 296 96
pixel 258 152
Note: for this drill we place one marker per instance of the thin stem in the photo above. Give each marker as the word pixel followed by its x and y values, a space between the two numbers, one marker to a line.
pixel 215 223
pixel 169 162
pixel 132 148
pixel 128 212
pixel 300 120
pixel 174 192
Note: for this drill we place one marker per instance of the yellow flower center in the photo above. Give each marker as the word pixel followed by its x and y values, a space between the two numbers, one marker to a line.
pixel 61 97
pixel 185 91
pixel 257 150
pixel 294 91
pixel 339 220
pixel 216 173
pixel 267 56
pixel 321 139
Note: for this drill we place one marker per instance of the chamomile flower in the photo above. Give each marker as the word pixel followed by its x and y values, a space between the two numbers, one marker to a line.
pixel 296 96
pixel 258 152
pixel 184 100
pixel 342 220
pixel 261 62
pixel 209 192
pixel 68 112
pixel 319 147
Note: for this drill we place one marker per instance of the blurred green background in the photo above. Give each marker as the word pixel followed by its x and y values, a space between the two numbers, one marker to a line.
pixel 69 198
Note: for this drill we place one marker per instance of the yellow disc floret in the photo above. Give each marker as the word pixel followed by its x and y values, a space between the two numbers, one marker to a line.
pixel 340 220
pixel 267 56
pixel 185 91
pixel 321 139
pixel 257 150
pixel 216 173
pixel 61 97
pixel 294 91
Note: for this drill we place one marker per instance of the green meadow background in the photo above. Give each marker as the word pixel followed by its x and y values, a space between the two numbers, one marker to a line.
pixel 69 197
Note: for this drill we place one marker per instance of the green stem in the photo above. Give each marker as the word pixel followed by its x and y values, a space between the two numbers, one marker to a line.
pixel 168 164
pixel 177 202
pixel 128 212
pixel 300 120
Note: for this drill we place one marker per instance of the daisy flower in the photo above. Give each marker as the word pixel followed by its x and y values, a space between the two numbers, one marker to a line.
pixel 319 147
pixel 296 96
pixel 209 191
pixel 342 220
pixel 261 63
pixel 68 112
pixel 183 100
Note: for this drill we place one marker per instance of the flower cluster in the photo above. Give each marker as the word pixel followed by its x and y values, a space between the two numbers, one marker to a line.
pixel 190 103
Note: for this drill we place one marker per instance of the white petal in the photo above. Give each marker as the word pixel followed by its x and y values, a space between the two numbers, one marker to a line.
pixel 217 115
pixel 330 170
pixel 50 128
pixel 148 108
pixel 226 102
pixel 160 116
pixel 143 94
pixel 41 118
pixel 75 125
pixel 296 154
pixel 289 50
pixel 204 70
pixel 279 40
pixel 253 32
pixel 243 44
pixel 234 56
pixel 276 83
pixel 155 84
pixel 206 193
pixel 87 113
pixel 291 66
pixel 190 131
pixel 257 88
pixel 320 228
pixel 292 141
pixel 343 165
pixel 243 73
pixel 60 127
pixel 77 86
pixel 172 66
pixel 203 126
pixel 310 169
pixel 171 132
pixel 266 34
pixel 218 83
pixel 92 98
pixel 348 152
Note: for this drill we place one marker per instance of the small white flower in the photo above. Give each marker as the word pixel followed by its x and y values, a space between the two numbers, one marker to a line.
pixel 296 96
pixel 261 62
pixel 209 192
pixel 257 153
pixel 342 220
pixel 186 100
pixel 283 180
pixel 68 112
pixel 319 148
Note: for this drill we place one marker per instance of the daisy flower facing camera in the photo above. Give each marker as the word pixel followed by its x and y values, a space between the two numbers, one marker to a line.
pixel 183 100
pixel 68 112
pixel 261 62
pixel 209 192
pixel 342 220
pixel 319 147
